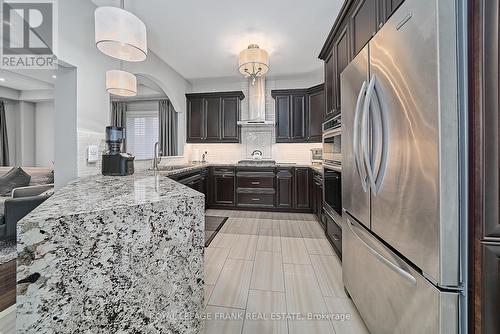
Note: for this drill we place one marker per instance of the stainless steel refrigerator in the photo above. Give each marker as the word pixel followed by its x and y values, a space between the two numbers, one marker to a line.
pixel 400 183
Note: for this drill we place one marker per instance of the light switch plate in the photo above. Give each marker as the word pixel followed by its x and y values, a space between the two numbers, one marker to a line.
pixel 93 153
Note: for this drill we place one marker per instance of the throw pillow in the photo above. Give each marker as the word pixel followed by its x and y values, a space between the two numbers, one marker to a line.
pixel 12 170
pixel 16 179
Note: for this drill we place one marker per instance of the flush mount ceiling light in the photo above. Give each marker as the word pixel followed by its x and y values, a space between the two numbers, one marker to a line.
pixel 121 83
pixel 253 62
pixel 120 34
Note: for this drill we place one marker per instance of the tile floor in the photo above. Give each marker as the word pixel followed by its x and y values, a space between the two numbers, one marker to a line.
pixel 264 265
pixel 264 268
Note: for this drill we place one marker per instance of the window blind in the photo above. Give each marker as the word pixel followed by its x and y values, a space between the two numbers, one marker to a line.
pixel 142 133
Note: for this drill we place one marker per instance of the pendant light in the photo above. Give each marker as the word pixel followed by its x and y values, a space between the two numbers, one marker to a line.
pixel 253 62
pixel 120 34
pixel 121 83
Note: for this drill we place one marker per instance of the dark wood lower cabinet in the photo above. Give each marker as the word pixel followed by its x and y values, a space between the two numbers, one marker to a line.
pixel 7 285
pixel 284 181
pixel 490 287
pixel 224 189
pixel 263 188
pixel 302 188
pixel 484 166
pixel 256 199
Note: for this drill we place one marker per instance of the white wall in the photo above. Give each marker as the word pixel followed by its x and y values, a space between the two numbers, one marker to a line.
pixel 25 142
pixel 44 143
pixel 77 47
pixel 12 118
pixel 65 134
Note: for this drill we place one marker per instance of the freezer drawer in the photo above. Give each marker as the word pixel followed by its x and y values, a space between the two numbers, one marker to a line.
pixel 390 296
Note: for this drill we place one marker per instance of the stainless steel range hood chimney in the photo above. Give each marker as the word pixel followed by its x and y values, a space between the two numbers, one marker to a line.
pixel 256 104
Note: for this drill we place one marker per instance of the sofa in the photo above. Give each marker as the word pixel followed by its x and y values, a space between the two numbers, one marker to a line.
pixel 23 200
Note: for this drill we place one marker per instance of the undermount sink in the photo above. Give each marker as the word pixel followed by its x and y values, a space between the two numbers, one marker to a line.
pixel 256 162
pixel 172 167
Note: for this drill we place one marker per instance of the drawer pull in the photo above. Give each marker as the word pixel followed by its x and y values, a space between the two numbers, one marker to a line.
pixel 255 199
pixel 255 182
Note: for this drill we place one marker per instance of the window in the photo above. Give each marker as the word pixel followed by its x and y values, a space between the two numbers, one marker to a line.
pixel 142 133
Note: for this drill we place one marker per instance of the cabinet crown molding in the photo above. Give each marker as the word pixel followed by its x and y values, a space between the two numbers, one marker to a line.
pixel 237 93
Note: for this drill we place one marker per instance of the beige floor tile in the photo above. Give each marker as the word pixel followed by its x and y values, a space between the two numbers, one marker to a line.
pixel 241 226
pixel 268 272
pixel 290 228
pixel 244 247
pixel 214 261
pixel 269 244
pixel 269 227
pixel 8 320
pixel 311 229
pixel 221 320
pixel 319 246
pixel 233 284
pixel 223 240
pixel 311 326
pixel 349 320
pixel 303 294
pixel 328 270
pixel 208 292
pixel 265 304
pixel 294 251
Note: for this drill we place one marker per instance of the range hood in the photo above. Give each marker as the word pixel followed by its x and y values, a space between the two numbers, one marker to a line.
pixel 256 104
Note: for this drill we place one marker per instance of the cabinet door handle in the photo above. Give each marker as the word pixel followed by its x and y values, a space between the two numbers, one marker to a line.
pixel 255 182
pixel 335 237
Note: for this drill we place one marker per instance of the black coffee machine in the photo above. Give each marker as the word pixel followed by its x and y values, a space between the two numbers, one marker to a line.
pixel 114 162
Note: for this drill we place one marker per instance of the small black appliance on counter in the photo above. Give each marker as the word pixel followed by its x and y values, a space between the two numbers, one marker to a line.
pixel 114 162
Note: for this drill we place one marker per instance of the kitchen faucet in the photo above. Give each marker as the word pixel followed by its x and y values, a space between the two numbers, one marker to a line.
pixel 156 157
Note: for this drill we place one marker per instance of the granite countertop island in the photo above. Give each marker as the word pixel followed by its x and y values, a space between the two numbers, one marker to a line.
pixel 113 255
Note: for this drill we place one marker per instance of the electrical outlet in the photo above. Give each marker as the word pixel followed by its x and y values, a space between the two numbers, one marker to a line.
pixel 93 153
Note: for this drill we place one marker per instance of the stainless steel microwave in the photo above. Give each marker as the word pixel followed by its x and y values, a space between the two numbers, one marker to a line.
pixel 332 142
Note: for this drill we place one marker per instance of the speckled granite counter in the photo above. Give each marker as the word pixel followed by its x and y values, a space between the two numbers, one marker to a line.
pixel 8 251
pixel 316 167
pixel 113 255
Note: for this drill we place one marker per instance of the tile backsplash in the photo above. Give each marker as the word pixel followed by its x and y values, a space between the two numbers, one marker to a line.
pixel 232 153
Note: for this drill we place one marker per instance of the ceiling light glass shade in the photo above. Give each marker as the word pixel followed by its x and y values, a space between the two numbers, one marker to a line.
pixel 121 83
pixel 120 34
pixel 253 62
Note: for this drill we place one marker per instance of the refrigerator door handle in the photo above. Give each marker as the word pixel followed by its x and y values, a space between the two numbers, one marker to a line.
pixel 365 133
pixel 355 139
pixel 380 130
pixel 398 270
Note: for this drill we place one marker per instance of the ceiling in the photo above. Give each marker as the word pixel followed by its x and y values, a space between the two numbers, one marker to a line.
pixel 201 39
pixel 27 79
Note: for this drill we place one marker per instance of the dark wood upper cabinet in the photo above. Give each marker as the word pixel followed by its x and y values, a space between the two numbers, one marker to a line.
pixel 315 113
pixel 195 120
pixel 295 121
pixel 302 189
pixel 283 120
pixel 364 24
pixel 329 85
pixel 342 58
pixel 213 117
pixel 230 116
pixel 391 6
pixel 357 22
pixel 298 116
